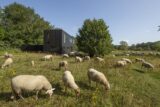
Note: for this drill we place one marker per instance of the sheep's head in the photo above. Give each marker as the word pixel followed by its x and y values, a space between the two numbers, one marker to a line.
pixel 50 92
pixel 77 91
pixel 107 86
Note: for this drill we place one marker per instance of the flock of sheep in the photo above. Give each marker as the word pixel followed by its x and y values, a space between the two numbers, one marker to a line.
pixel 39 82
pixel 124 61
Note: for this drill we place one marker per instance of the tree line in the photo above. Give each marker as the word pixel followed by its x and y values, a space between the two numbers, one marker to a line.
pixel 20 25
pixel 148 46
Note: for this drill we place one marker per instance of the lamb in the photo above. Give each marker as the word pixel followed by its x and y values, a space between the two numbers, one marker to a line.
pixel 86 58
pixel 98 77
pixel 69 81
pixel 147 65
pixel 65 56
pixel 127 60
pixel 78 59
pixel 47 57
pixel 7 62
pixel 63 64
pixel 121 63
pixel 30 83
pixel 100 59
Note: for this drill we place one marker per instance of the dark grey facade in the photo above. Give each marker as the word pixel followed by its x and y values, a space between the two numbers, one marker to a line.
pixel 58 41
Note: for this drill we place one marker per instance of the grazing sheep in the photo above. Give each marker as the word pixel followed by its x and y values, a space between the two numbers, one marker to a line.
pixel 6 55
pixel 127 60
pixel 121 63
pixel 65 56
pixel 100 59
pixel 147 65
pixel 98 77
pixel 7 62
pixel 86 58
pixel 63 64
pixel 30 83
pixel 69 81
pixel 47 57
pixel 139 60
pixel 32 63
pixel 72 53
pixel 78 59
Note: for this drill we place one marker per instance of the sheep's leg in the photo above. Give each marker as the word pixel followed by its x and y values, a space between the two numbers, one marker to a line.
pixel 37 95
pixel 20 95
pixel 65 89
pixel 89 81
pixel 96 84
pixel 14 95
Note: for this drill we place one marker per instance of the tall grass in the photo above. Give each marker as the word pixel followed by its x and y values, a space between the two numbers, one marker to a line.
pixel 130 86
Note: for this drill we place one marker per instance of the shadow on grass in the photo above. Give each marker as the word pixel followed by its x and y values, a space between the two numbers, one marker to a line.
pixel 59 91
pixel 5 96
pixel 139 70
pixel 55 69
pixel 84 86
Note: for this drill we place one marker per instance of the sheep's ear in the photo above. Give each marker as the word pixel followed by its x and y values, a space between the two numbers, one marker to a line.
pixel 53 89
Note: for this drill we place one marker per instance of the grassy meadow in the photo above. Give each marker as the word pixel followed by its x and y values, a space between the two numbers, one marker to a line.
pixel 131 86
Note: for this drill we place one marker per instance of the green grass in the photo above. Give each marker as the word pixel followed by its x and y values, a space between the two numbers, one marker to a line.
pixel 130 86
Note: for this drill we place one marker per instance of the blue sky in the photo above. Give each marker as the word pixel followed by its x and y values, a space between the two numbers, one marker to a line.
pixel 132 20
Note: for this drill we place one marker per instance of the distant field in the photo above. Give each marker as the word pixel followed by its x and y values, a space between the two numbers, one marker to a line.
pixel 131 86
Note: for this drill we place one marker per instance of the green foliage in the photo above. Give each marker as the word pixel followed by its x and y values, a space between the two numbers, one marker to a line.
pixel 156 46
pixel 94 37
pixel 22 25
pixel 146 46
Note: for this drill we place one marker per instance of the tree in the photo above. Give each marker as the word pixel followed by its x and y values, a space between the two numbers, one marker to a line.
pixel 23 26
pixel 123 45
pixel 1 27
pixel 94 37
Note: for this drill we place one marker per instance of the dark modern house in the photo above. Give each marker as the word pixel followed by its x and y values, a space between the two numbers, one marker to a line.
pixel 58 41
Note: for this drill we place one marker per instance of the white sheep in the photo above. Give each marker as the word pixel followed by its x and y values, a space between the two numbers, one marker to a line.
pixel 147 65
pixel 86 58
pixel 100 59
pixel 32 63
pixel 69 81
pixel 7 62
pixel 30 83
pixel 63 64
pixel 78 59
pixel 72 53
pixel 121 63
pixel 47 57
pixel 65 56
pixel 127 60
pixel 6 55
pixel 98 77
